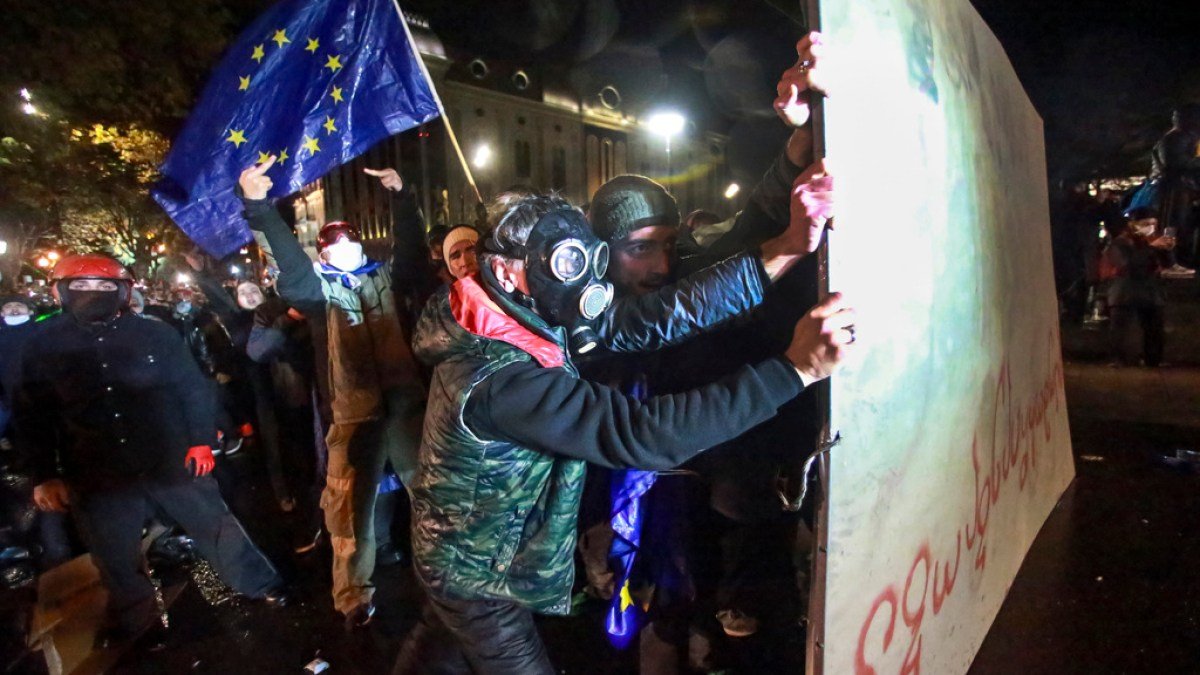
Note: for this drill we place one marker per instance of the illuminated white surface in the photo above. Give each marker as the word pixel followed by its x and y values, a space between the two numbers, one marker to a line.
pixel 943 247
pixel 482 156
pixel 732 191
pixel 666 124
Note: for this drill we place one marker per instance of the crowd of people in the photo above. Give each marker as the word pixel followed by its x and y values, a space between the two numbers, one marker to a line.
pixel 1115 252
pixel 616 389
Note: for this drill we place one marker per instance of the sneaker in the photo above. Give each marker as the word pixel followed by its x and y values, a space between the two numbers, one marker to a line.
pixel 1178 271
pixel 737 624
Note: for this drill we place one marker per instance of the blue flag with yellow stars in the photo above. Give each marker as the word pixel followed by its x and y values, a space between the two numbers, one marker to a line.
pixel 624 617
pixel 315 83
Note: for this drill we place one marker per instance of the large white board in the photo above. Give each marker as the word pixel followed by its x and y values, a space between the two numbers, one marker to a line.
pixel 955 444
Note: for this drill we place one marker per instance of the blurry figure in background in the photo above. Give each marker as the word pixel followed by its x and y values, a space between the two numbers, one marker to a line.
pixel 1175 167
pixel 1135 295
pixel 210 345
pixel 17 330
pixel 118 423
pixel 458 251
pixel 137 302
pixel 378 397
pixel 281 346
pixel 437 263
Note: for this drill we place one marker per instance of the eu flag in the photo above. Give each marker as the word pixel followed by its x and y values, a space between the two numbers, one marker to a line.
pixel 624 615
pixel 314 82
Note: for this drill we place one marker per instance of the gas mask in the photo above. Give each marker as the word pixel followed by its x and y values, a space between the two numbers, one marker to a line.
pixel 345 255
pixel 565 265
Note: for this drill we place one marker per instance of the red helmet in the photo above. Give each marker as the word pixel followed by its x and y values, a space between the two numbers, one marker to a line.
pixel 91 266
pixel 333 232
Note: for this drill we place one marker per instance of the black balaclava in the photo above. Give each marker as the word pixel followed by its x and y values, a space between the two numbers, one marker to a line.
pixel 565 265
pixel 93 306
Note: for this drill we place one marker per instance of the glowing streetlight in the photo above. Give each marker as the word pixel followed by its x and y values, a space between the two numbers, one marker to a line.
pixel 3 247
pixel 183 278
pixel 235 270
pixel 26 95
pixel 482 156
pixel 43 262
pixel 162 248
pixel 667 124
pixel 732 191
pixel 52 255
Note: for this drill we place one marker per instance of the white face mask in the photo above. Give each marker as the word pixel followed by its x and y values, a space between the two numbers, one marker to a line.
pixel 347 256
pixel 16 319
pixel 1145 231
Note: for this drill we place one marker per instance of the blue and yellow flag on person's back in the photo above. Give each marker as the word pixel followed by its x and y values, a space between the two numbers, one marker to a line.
pixel 314 82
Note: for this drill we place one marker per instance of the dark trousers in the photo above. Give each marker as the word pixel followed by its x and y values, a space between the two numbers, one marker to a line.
pixel 484 637
pixel 1150 317
pixel 111 522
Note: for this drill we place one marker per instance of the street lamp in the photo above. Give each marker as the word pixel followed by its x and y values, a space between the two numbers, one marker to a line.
pixel 732 191
pixel 3 247
pixel 43 262
pixel 183 279
pixel 482 156
pixel 667 124
pixel 52 255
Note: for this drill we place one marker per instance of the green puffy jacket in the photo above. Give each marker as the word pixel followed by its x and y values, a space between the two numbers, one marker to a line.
pixel 490 519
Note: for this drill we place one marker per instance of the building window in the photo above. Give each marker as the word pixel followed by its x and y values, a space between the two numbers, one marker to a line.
pixel 524 159
pixel 558 169
pixel 478 69
pixel 520 80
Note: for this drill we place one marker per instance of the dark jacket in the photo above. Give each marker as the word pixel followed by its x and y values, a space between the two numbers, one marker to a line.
pixel 508 429
pixel 108 404
pixel 1137 264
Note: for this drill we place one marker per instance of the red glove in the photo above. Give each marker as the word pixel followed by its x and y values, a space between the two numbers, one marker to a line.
pixel 203 460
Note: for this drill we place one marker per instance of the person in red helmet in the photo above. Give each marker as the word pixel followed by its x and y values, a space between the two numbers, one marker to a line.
pixel 117 422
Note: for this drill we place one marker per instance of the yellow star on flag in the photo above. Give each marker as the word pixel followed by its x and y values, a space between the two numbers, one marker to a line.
pixel 259 53
pixel 283 156
pixel 263 156
pixel 243 83
pixel 626 599
pixel 237 137
pixel 313 43
pixel 336 94
pixel 330 127
pixel 310 144
pixel 281 38
pixel 334 63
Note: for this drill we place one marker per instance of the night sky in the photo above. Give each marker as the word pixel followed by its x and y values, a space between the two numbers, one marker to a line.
pixel 1103 74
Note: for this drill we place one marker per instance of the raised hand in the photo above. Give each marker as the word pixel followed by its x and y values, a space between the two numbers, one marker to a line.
pixel 254 181
pixel 388 178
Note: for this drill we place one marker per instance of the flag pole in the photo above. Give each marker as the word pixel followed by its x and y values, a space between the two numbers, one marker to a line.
pixel 412 44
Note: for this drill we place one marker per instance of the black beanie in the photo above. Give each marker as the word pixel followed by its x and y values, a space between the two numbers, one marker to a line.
pixel 627 203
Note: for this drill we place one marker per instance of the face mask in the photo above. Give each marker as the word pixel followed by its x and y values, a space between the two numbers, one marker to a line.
pixel 183 307
pixel 1145 231
pixel 564 265
pixel 345 255
pixel 91 306
pixel 16 320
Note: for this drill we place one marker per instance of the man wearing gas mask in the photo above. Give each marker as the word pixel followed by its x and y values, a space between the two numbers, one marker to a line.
pixel 115 417
pixel 377 394
pixel 510 428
